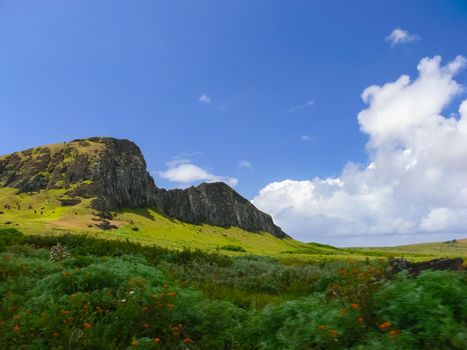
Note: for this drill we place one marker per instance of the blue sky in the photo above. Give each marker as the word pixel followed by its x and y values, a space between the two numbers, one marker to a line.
pixel 249 92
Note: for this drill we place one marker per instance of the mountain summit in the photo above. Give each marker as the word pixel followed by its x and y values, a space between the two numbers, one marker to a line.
pixel 112 172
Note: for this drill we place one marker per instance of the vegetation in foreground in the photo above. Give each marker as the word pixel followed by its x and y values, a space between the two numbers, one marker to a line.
pixel 76 292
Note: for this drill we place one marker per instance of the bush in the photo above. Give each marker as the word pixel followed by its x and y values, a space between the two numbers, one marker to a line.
pixel 233 248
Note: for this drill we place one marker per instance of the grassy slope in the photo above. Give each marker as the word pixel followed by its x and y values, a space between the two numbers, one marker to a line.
pixel 154 228
pixel 425 250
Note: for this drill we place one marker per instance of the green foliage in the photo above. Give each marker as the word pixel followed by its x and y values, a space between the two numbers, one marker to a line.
pixel 9 236
pixel 233 248
pixel 122 295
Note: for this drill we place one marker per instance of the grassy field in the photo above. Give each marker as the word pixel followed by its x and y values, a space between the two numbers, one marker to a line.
pixel 42 213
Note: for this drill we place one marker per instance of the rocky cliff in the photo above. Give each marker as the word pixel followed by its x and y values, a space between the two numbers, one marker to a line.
pixel 113 173
pixel 217 204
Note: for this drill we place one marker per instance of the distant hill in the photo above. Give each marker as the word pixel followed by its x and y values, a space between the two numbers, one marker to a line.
pixel 449 249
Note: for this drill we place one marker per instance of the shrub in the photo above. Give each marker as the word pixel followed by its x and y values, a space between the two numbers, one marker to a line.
pixel 233 248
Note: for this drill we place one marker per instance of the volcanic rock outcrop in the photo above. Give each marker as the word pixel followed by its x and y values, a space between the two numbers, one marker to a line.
pixel 113 173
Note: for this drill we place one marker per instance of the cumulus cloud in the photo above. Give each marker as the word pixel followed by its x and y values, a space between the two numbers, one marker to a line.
pixel 415 181
pixel 400 36
pixel 301 107
pixel 204 99
pixel 184 172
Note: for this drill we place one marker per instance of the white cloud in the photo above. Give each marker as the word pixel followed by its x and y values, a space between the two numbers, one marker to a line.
pixel 400 36
pixel 204 99
pixel 306 138
pixel 415 182
pixel 244 164
pixel 301 107
pixel 183 171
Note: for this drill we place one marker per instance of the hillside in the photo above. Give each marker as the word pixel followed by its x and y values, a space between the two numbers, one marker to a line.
pixel 423 251
pixel 100 186
pixel 111 174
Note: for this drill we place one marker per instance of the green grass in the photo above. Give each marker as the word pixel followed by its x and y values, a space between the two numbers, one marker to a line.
pixel 25 213
pixel 421 251
pixel 153 228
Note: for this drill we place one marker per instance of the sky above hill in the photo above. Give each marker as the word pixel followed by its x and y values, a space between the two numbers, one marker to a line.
pixel 344 120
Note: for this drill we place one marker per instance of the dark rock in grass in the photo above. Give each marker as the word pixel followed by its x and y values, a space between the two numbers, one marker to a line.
pixel 7 223
pixel 104 215
pixel 398 265
pixel 106 226
pixel 1 212
pixel 69 202
pixel 135 229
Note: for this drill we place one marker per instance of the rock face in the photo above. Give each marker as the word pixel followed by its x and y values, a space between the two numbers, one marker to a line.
pixel 217 204
pixel 113 173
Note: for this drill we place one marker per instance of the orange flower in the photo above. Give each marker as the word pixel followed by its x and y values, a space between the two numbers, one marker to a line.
pixel 146 308
pixel 66 312
pixel 394 333
pixel 156 340
pixel 87 325
pixel 187 341
pixel 333 333
pixel 385 325
pixel 55 334
pixel 146 325
pixel 355 306
pixel 322 327
pixel 361 319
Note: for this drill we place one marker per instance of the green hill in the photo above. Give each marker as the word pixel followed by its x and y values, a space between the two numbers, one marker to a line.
pixel 43 213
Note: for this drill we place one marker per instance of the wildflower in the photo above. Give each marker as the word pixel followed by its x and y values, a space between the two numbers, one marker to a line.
pixel 361 319
pixel 123 300
pixel 146 325
pixel 55 334
pixel 384 325
pixel 187 341
pixel 16 328
pixel 67 312
pixel 131 292
pixel 156 340
pixel 333 333
pixel 87 325
pixel 322 327
pixel 394 333
pixel 171 294
pixel 146 308
pixel 170 306
pixel 355 306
